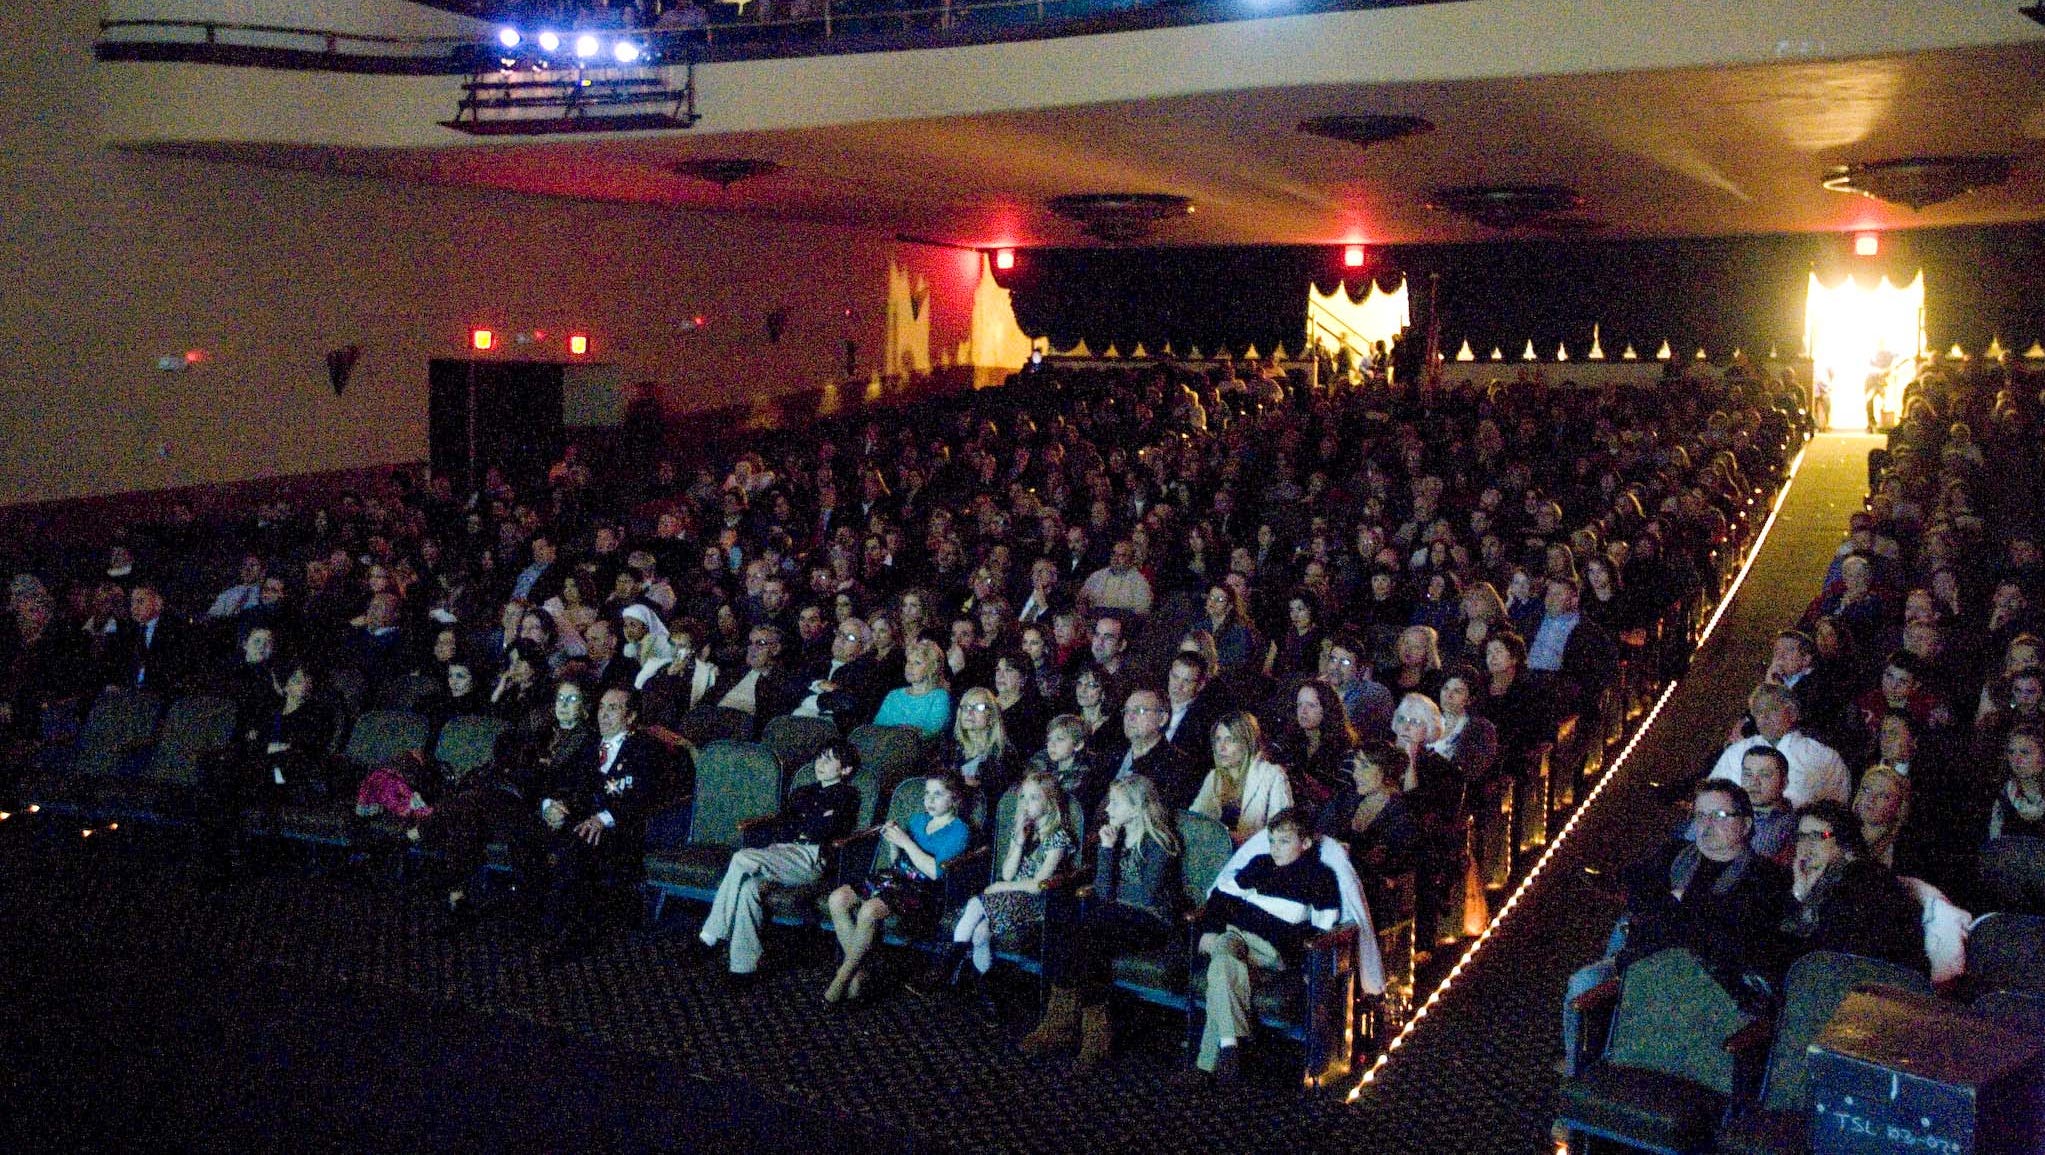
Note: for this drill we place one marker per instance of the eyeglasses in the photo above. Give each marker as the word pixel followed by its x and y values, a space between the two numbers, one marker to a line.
pixel 977 707
pixel 1815 836
pixel 1342 661
pixel 849 636
pixel 1139 711
pixel 1719 815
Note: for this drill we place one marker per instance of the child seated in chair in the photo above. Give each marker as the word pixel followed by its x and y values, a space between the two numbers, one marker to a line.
pixel 815 816
pixel 1261 918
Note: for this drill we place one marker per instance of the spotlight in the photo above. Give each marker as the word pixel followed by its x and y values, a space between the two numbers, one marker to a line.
pixel 577 344
pixel 1867 244
pixel 509 37
pixel 1352 257
pixel 1004 258
pixel 586 46
pixel 550 41
pixel 625 51
pixel 482 339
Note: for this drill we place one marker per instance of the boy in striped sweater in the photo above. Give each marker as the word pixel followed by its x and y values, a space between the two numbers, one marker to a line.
pixel 1261 917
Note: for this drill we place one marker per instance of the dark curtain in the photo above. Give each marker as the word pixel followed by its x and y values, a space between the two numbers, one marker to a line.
pixel 1716 293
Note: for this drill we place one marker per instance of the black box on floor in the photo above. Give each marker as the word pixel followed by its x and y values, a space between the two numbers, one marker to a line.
pixel 1896 1071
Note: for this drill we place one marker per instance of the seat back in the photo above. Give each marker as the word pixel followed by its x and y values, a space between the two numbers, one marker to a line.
pixel 1674 1018
pixel 121 723
pixel 734 781
pixel 349 691
pixel 381 737
pixel 409 692
pixel 1205 848
pixel 893 753
pixel 706 724
pixel 2013 873
pixel 466 743
pixel 905 803
pixel 865 781
pixel 1811 993
pixel 797 740
pixel 2006 951
pixel 193 728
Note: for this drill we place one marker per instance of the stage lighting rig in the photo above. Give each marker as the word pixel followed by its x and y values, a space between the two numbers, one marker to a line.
pixel 581 81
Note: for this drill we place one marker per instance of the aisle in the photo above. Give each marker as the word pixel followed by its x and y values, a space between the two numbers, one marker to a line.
pixel 1476 1073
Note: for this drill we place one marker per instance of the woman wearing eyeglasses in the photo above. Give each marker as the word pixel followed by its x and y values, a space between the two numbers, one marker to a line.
pixel 978 751
pixel 1846 900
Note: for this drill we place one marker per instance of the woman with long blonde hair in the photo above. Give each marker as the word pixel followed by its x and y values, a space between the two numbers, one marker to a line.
pixel 1245 788
pixel 1136 901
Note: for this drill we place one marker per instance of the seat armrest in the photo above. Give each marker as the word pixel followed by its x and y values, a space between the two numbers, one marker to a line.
pixel 755 822
pixel 1333 939
pixel 1602 997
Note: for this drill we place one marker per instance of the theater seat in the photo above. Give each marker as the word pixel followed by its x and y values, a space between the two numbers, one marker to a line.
pixel 1665 1077
pixel 689 845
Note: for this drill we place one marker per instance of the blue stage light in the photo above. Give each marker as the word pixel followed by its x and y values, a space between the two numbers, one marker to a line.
pixel 509 37
pixel 550 41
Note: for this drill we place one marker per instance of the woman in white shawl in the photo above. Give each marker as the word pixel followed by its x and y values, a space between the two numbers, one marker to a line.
pixel 1245 788
pixel 646 642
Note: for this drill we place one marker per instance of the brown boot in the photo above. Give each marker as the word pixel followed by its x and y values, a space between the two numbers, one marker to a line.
pixel 1096 1036
pixel 1059 1027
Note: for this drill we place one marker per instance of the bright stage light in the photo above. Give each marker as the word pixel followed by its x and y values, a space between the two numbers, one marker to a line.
pixel 586 46
pixel 550 41
pixel 1004 258
pixel 625 51
pixel 509 37
pixel 578 344
pixel 1352 257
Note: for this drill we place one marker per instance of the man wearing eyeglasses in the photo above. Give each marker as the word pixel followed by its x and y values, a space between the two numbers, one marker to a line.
pixel 1143 723
pixel 1713 896
pixel 844 687
pixel 761 687
pixel 1369 703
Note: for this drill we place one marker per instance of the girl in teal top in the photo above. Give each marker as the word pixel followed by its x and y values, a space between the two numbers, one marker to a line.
pixel 909 888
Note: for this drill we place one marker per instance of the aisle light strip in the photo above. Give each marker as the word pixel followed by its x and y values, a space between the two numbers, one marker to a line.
pixel 1604 780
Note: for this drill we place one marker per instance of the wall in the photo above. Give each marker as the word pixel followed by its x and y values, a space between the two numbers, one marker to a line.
pixel 119 258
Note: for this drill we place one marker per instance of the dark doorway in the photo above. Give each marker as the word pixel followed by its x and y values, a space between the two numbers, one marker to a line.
pixel 515 423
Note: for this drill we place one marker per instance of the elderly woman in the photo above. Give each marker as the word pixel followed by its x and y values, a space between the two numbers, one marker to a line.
pixel 1440 801
pixel 924 702
pixel 1416 666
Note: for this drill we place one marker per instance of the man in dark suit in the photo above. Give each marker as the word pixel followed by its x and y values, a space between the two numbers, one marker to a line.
pixel 151 651
pixel 845 687
pixel 1143 718
pixel 595 811
pixel 1194 709
pixel 760 687
pixel 1046 596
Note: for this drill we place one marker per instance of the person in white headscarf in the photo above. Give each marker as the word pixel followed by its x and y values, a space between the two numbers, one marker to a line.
pixel 646 642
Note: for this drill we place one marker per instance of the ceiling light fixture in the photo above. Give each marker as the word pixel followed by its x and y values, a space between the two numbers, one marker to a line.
pixel 1119 218
pixel 1551 207
pixel 726 171
pixel 1368 128
pixel 1918 182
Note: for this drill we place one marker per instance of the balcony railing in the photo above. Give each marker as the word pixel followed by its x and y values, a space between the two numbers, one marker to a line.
pixel 735 31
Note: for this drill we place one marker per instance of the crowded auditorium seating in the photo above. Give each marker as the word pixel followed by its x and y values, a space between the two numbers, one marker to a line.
pixel 432 627
pixel 1915 668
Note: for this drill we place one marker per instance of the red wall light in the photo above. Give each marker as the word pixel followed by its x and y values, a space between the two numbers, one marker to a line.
pixel 1867 244
pixel 482 339
pixel 1004 258
pixel 578 344
pixel 1352 257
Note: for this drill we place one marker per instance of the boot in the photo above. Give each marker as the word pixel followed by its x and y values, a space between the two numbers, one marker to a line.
pixel 946 970
pixel 1096 1037
pixel 1059 1027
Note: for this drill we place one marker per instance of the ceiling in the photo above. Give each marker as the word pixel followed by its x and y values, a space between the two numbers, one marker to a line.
pixel 1702 152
